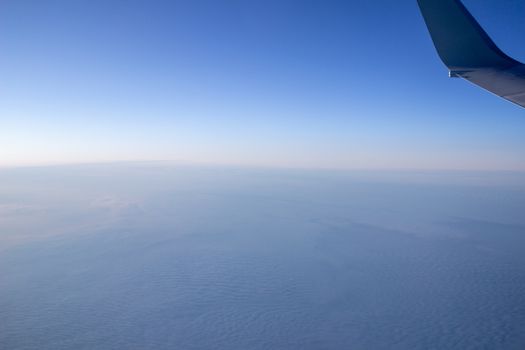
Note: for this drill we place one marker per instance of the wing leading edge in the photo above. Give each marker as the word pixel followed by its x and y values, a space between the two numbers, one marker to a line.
pixel 468 51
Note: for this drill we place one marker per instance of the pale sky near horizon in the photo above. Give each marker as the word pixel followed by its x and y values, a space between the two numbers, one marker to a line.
pixel 320 84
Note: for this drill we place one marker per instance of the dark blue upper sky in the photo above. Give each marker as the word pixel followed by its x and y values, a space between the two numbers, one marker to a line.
pixel 351 84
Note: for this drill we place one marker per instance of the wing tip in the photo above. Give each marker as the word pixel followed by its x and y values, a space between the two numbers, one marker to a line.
pixel 445 19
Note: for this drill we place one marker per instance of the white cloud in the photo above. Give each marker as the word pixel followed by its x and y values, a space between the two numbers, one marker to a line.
pixel 9 210
pixel 116 205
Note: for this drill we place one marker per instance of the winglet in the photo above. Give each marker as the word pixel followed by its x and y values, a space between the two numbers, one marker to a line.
pixel 459 40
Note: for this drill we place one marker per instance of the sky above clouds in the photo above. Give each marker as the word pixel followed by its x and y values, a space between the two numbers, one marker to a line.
pixel 323 84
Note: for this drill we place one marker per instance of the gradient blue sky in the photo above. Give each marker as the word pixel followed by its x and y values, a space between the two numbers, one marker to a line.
pixel 330 84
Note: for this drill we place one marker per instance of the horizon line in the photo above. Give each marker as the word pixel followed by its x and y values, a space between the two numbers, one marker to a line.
pixel 178 162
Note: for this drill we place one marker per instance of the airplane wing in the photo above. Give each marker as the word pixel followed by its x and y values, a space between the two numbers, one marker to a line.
pixel 469 53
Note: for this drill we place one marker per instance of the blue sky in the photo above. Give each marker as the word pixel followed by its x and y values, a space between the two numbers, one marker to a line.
pixel 328 84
